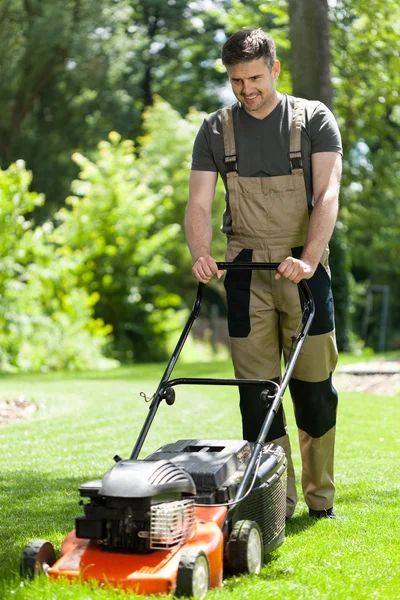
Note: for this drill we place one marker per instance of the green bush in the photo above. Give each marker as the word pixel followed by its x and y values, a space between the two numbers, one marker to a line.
pixel 45 319
pixel 122 235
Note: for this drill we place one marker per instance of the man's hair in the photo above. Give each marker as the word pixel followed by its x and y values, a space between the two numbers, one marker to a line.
pixel 246 45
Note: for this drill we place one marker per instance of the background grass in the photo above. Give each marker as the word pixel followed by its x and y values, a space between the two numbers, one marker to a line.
pixel 83 420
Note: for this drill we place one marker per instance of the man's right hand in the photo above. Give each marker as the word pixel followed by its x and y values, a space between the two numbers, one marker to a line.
pixel 205 268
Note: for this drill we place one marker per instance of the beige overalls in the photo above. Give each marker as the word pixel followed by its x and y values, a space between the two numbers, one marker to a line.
pixel 270 218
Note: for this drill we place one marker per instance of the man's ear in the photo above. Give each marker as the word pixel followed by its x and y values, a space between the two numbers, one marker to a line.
pixel 276 69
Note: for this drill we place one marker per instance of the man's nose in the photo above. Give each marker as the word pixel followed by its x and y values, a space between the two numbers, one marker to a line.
pixel 247 88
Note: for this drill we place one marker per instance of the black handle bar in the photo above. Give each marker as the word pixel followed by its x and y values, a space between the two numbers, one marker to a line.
pixel 304 290
pixel 252 266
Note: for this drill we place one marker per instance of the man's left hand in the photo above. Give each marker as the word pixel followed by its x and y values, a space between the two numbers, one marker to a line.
pixel 295 269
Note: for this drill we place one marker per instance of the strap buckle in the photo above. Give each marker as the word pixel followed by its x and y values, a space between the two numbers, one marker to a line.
pixel 296 162
pixel 231 164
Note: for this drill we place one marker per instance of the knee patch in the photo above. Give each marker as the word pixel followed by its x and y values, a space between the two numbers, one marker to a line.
pixel 253 415
pixel 315 406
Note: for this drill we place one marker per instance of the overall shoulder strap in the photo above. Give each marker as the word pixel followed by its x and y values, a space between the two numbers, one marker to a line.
pixel 296 163
pixel 230 158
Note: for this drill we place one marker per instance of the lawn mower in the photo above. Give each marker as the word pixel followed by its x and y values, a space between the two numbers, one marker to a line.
pixel 180 519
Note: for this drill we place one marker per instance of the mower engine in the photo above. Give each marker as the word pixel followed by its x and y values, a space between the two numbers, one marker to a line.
pixel 139 507
pixel 144 505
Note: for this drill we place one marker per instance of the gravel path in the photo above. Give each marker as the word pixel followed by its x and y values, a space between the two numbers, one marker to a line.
pixel 12 409
pixel 375 377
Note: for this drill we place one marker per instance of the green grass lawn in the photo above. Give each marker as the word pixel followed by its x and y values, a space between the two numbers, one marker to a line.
pixel 84 420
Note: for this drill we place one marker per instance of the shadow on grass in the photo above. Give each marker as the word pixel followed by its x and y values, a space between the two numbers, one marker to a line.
pixel 298 524
pixel 232 582
pixel 271 570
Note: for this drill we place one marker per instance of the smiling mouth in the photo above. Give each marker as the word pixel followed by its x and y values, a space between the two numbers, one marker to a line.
pixel 252 97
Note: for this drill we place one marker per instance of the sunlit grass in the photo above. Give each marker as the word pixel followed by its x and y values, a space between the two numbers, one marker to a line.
pixel 83 421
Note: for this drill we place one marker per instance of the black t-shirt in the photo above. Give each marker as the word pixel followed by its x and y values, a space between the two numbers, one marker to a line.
pixel 262 145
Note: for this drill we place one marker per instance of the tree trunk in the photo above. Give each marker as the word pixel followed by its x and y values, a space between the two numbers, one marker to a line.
pixel 310 60
pixel 152 22
pixel 309 36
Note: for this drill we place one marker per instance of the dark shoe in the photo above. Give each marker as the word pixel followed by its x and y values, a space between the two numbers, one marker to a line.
pixel 328 513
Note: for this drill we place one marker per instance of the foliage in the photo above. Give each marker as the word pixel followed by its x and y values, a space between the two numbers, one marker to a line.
pixel 45 320
pixel 165 154
pixel 180 47
pixel 366 79
pixel 340 285
pixel 72 71
pixel 124 225
pixel 121 231
pixel 41 105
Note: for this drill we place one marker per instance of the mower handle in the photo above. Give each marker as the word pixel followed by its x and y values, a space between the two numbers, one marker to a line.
pixel 238 265
pixel 248 266
pixel 308 313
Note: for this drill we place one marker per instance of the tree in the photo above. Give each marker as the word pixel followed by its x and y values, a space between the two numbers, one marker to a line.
pixel 39 42
pixel 310 56
pixel 74 70
pixel 178 52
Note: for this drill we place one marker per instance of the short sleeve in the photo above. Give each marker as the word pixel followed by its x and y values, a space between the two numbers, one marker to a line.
pixel 324 131
pixel 202 157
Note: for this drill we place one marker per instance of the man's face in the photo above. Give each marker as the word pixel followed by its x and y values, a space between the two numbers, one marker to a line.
pixel 254 86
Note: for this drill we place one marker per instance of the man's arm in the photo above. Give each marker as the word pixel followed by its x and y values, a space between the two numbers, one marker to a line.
pixel 327 170
pixel 198 224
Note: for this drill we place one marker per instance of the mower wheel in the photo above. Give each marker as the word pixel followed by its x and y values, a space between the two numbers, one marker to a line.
pixel 244 552
pixel 193 579
pixel 38 556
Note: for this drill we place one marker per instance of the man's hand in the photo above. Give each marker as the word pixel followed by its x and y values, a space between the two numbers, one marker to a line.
pixel 205 268
pixel 295 269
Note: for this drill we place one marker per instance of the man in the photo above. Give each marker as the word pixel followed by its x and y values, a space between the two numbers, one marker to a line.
pixel 280 160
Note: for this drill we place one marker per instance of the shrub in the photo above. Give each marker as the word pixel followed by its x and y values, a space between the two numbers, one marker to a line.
pixel 46 321
pixel 117 228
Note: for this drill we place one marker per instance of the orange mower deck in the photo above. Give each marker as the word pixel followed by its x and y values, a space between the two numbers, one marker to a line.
pixel 146 574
